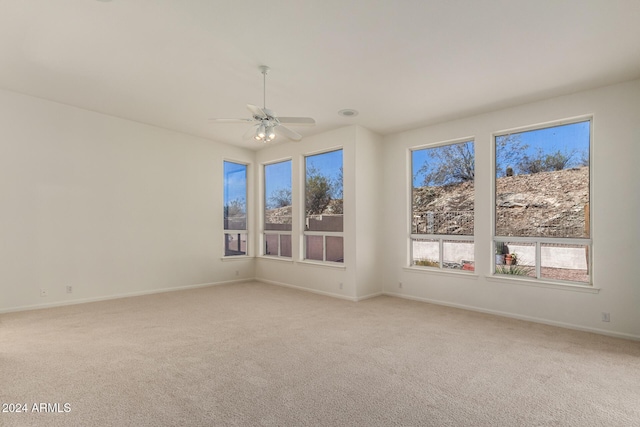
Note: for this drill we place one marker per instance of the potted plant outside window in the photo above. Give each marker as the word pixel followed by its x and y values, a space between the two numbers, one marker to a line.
pixel 499 253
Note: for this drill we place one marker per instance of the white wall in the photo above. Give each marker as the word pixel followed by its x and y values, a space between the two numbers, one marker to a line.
pixel 614 204
pixel 369 220
pixel 108 206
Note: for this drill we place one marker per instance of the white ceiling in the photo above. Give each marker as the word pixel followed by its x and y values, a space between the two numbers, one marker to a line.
pixel 401 63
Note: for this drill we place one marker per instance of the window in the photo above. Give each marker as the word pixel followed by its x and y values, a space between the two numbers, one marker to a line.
pixel 323 233
pixel 277 209
pixel 442 206
pixel 235 209
pixel 542 226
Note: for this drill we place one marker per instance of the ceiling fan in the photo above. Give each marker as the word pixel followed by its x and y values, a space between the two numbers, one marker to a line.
pixel 266 122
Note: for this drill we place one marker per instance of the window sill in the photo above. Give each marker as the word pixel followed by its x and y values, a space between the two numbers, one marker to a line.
pixel 544 284
pixel 275 258
pixel 331 265
pixel 466 275
pixel 236 258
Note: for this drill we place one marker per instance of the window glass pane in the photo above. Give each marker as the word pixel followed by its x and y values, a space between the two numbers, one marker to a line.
pixel 277 186
pixel 324 206
pixel 443 189
pixel 542 182
pixel 314 247
pixel 458 255
pixel 425 252
pixel 271 244
pixel 235 196
pixel 285 245
pixel 235 244
pixel 565 262
pixel 323 192
pixel 516 259
pixel 335 252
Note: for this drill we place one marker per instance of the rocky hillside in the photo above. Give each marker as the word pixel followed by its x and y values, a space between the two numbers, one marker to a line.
pixel 549 204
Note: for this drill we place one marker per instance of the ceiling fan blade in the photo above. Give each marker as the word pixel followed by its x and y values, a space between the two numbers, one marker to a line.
pixel 297 120
pixel 257 111
pixel 288 133
pixel 231 120
pixel 250 133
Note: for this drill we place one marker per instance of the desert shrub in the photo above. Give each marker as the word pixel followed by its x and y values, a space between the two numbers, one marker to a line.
pixel 514 269
pixel 427 263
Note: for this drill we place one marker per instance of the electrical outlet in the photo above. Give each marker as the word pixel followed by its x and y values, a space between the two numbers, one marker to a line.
pixel 237 272
pixel 340 285
pixel 69 289
pixel 43 292
pixel 400 285
pixel 605 317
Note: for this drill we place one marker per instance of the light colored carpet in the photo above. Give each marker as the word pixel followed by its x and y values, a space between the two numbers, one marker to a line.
pixel 256 354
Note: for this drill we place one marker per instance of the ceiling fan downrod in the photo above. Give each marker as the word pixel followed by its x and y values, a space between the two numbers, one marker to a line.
pixel 264 70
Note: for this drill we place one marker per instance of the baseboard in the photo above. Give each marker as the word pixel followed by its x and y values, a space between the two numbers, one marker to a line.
pixel 313 291
pixel 118 296
pixel 362 298
pixel 520 317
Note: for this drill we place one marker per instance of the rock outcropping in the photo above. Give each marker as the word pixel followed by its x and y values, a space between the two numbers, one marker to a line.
pixel 552 204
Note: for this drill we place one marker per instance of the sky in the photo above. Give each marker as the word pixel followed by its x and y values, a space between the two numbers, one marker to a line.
pixel 566 138
pixel 235 183
pixel 328 164
pixel 418 159
pixel 277 175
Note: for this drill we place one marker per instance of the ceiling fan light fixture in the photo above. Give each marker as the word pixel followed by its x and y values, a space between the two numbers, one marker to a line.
pixel 271 135
pixel 260 134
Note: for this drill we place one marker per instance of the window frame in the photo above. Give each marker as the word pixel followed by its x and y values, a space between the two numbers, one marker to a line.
pixel 538 241
pixel 278 233
pixel 440 238
pixel 244 231
pixel 304 233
